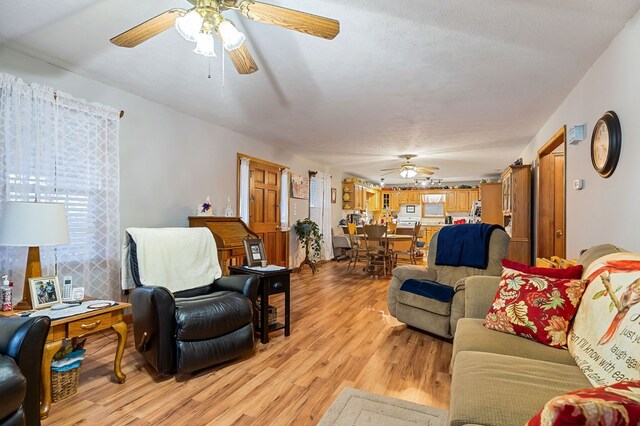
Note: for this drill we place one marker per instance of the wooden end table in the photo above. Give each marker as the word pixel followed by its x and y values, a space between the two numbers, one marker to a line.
pixel 271 282
pixel 76 326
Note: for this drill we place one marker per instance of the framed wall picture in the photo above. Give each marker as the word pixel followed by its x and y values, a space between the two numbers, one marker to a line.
pixel 334 195
pixel 254 250
pixel 45 292
pixel 299 186
pixel 411 209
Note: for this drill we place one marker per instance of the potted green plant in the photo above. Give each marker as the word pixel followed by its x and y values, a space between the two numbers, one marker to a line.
pixel 309 235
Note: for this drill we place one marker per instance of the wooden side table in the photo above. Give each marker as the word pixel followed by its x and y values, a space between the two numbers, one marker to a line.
pixel 75 326
pixel 271 282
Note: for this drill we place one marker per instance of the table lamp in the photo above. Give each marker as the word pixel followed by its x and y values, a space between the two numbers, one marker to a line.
pixel 32 225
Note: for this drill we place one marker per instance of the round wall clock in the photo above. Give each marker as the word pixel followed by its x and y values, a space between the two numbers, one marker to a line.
pixel 606 142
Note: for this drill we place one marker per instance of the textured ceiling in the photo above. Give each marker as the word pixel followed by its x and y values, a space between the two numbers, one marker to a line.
pixel 464 84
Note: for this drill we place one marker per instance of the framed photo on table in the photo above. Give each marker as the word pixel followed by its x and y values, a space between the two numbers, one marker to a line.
pixel 45 292
pixel 254 250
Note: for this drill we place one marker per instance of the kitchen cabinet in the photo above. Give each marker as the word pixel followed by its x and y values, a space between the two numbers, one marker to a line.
pixel 491 197
pixel 373 200
pixel 460 200
pixel 474 195
pixel 394 201
pixel 516 211
pixel 429 232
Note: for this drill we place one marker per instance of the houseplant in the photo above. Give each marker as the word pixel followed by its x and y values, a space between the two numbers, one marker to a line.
pixel 309 235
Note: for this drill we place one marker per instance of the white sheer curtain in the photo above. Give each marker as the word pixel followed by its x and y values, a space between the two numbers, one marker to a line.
pixel 325 228
pixel 320 210
pixel 284 200
pixel 56 148
pixel 244 190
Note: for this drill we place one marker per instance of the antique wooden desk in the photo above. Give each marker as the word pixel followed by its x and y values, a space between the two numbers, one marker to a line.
pixel 75 326
pixel 271 282
pixel 228 233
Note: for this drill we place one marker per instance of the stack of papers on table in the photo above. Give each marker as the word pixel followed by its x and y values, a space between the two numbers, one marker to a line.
pixel 267 268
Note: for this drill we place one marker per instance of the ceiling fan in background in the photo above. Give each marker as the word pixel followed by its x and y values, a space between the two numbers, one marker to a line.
pixel 200 23
pixel 409 169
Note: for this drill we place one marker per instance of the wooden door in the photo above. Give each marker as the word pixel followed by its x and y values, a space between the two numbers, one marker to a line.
pixel 551 239
pixel 264 211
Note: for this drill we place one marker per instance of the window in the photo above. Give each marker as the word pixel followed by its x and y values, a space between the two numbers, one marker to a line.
pixel 62 149
pixel 315 199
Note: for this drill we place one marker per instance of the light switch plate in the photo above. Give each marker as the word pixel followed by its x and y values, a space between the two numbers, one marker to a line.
pixel 578 184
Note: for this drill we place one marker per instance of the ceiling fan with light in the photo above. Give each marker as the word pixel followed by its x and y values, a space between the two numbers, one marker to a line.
pixel 409 169
pixel 200 23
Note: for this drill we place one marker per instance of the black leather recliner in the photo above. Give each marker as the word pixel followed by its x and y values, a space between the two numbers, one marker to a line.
pixel 21 346
pixel 193 329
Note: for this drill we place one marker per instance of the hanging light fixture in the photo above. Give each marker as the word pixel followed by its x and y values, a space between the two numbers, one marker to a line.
pixel 204 44
pixel 408 173
pixel 382 182
pixel 189 25
pixel 232 39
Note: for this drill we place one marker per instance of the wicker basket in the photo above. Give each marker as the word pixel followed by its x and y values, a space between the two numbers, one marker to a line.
pixel 64 383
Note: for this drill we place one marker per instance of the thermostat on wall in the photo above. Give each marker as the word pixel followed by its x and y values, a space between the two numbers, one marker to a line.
pixel 576 134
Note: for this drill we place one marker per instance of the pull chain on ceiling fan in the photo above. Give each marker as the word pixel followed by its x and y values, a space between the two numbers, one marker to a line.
pixel 205 19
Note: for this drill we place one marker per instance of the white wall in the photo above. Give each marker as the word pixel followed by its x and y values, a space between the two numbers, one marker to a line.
pixel 169 161
pixel 606 210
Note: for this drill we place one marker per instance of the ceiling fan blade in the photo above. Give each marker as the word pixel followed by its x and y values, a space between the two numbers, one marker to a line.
pixel 424 172
pixel 243 60
pixel 386 170
pixel 150 28
pixel 428 168
pixel 292 19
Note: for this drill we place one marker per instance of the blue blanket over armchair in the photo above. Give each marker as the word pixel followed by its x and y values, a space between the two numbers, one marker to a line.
pixel 465 245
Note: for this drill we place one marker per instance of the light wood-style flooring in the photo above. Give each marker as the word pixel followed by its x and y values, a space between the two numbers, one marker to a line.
pixel 342 335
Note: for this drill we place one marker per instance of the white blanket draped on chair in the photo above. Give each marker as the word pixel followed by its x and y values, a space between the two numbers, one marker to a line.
pixel 175 258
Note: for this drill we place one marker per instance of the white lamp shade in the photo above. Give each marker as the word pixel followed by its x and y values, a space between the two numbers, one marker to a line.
pixel 408 173
pixel 231 37
pixel 189 25
pixel 204 45
pixel 33 224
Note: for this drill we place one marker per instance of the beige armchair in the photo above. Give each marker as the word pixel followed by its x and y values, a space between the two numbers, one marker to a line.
pixel 431 315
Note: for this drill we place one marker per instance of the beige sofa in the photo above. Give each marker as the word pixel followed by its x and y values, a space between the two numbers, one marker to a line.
pixel 503 379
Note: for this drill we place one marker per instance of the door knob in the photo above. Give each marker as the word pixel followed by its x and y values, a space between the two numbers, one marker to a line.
pixel 559 233
pixel 278 228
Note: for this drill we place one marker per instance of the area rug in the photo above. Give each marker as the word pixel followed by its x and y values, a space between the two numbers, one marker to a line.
pixel 357 407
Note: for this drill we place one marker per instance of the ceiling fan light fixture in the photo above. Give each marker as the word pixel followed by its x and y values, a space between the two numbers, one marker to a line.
pixel 232 39
pixel 189 25
pixel 408 173
pixel 204 45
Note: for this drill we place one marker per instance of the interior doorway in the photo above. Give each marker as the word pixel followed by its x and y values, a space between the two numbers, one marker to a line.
pixel 551 238
pixel 264 208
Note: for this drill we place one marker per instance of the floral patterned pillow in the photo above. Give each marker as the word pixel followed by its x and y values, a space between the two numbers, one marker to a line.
pixel 617 404
pixel 536 307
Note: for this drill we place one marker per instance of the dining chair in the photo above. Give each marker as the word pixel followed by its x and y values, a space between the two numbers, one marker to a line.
pixel 377 248
pixel 357 246
pixel 411 252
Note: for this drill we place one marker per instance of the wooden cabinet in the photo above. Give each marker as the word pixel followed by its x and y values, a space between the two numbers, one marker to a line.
pixel 460 200
pixel 394 201
pixel 348 193
pixel 429 232
pixel 516 211
pixel 491 197
pixel 373 200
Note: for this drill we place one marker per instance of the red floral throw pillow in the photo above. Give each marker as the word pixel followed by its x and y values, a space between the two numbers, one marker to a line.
pixel 617 404
pixel 536 307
